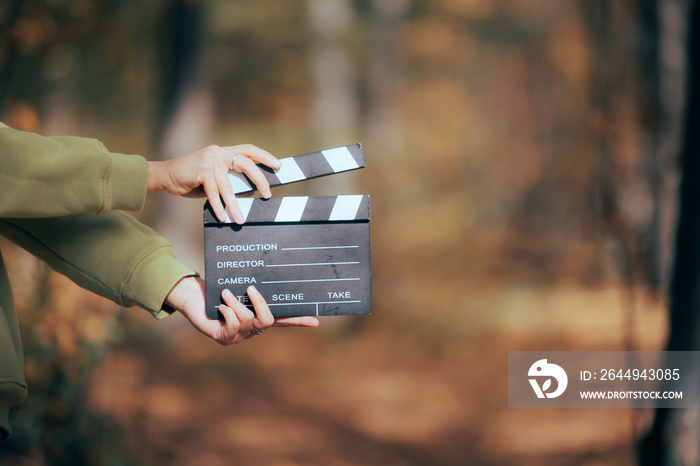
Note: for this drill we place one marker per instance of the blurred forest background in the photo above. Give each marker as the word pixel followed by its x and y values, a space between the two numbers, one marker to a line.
pixel 522 158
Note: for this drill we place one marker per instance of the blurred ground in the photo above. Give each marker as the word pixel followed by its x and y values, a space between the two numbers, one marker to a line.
pixel 366 397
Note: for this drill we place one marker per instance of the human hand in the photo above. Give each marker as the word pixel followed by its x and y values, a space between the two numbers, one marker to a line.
pixel 204 174
pixel 187 296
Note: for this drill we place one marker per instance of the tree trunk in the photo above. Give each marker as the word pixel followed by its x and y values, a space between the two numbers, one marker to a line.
pixel 335 111
pixel 184 120
pixel 675 433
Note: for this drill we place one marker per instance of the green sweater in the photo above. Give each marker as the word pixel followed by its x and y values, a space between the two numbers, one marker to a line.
pixel 60 199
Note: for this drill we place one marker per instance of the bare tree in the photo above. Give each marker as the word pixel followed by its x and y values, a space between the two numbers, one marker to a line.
pixel 673 439
pixel 185 116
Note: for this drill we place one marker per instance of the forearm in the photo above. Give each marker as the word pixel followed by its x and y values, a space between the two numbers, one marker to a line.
pixel 55 176
pixel 112 255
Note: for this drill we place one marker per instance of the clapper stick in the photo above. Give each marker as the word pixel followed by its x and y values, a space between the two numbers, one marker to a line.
pixel 304 167
pixel 306 255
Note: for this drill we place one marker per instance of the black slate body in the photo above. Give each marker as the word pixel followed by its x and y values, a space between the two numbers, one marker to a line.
pixel 306 255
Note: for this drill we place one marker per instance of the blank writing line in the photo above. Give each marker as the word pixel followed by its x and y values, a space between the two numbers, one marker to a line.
pixel 320 247
pixel 314 302
pixel 319 280
pixel 315 263
pixel 301 304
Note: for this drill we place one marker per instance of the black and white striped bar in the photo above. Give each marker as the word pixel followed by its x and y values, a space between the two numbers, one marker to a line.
pixel 298 209
pixel 304 167
pixel 306 255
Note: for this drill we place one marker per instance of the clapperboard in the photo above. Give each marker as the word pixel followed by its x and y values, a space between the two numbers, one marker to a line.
pixel 306 255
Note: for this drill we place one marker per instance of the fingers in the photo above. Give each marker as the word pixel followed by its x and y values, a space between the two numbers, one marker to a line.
pixel 256 154
pixel 243 320
pixel 247 164
pixel 226 192
pixel 217 185
pixel 240 322
pixel 238 319
pixel 297 322
pixel 230 318
pixel 212 193
pixel 244 163
pixel 263 316
pixel 249 167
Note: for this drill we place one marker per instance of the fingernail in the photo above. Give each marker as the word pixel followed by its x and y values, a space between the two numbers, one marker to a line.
pixel 267 193
pixel 240 219
pixel 227 294
pixel 278 163
pixel 252 289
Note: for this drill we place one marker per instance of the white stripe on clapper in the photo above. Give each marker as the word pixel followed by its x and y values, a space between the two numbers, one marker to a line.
pixel 289 171
pixel 291 209
pixel 346 207
pixel 239 183
pixel 245 205
pixel 340 159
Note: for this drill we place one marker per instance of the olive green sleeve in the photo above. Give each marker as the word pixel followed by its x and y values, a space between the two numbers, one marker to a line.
pixel 49 186
pixel 53 176
pixel 112 255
